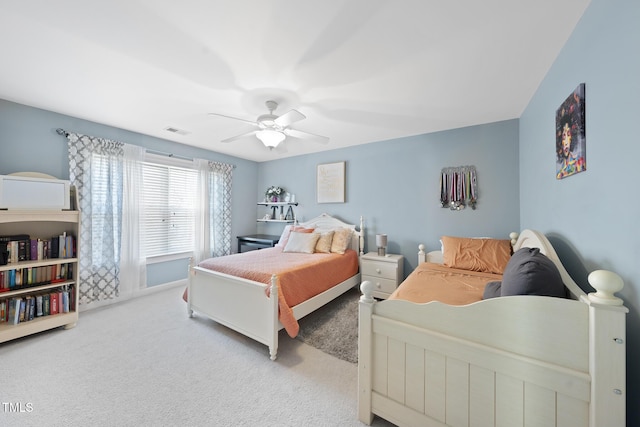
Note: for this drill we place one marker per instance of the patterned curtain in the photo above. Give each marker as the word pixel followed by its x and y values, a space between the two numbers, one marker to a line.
pixel 220 180
pixel 214 197
pixel 100 169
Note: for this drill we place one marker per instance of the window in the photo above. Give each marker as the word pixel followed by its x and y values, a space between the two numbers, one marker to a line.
pixel 169 209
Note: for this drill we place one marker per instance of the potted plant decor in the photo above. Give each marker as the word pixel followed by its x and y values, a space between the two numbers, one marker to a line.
pixel 273 193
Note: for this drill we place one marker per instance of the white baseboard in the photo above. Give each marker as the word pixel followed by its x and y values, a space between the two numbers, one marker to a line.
pixel 141 293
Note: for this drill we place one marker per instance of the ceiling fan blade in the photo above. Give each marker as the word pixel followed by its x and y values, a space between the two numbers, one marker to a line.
pixel 307 136
pixel 233 118
pixel 289 117
pixel 244 135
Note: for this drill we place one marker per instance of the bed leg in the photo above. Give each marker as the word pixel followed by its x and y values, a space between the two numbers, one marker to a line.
pixel 365 333
pixel 273 348
pixel 190 274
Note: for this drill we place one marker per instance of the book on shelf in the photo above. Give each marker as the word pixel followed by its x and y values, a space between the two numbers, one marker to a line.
pixel 14 311
pixel 23 304
pixel 30 310
pixel 39 311
pixel 46 305
pixel 53 303
pixel 65 301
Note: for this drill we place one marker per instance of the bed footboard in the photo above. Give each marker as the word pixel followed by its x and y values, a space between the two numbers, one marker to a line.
pixel 237 303
pixel 509 361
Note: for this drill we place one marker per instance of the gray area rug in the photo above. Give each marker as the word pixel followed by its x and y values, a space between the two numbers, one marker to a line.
pixel 333 328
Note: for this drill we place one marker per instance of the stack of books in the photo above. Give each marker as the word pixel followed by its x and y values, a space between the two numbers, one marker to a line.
pixel 28 307
pixel 24 248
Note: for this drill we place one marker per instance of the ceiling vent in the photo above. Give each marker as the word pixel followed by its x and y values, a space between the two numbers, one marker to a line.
pixel 176 130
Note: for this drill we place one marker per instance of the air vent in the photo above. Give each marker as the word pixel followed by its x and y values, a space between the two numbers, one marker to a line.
pixel 176 130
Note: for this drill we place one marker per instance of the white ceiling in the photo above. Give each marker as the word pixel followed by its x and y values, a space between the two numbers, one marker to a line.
pixel 360 70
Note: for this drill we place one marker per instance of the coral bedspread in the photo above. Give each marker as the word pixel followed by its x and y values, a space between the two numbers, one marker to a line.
pixel 435 282
pixel 300 276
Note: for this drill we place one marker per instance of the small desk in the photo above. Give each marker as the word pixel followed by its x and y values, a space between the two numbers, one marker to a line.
pixel 257 241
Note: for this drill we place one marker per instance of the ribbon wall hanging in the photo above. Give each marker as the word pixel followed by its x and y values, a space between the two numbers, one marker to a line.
pixel 458 187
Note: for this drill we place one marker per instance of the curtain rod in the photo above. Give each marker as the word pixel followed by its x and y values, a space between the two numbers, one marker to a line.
pixel 61 131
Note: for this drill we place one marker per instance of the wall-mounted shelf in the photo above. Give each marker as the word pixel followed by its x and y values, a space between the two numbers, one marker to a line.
pixel 288 218
pixel 278 204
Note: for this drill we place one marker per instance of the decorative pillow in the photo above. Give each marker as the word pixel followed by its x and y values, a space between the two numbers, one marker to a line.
pixel 284 236
pixel 476 254
pixel 323 244
pixel 288 229
pixel 529 272
pixel 301 242
pixel 492 290
pixel 341 240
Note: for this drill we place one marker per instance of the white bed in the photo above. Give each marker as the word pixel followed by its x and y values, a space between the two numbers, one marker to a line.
pixel 242 304
pixel 507 361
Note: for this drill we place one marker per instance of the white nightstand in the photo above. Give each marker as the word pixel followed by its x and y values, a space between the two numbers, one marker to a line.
pixel 385 272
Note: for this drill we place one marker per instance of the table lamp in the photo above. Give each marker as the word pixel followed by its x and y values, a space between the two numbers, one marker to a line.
pixel 381 243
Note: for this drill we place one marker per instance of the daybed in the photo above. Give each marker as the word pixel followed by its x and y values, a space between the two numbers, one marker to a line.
pixel 255 304
pixel 523 360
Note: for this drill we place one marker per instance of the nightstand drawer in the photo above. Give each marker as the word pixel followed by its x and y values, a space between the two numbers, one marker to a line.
pixel 380 269
pixel 381 285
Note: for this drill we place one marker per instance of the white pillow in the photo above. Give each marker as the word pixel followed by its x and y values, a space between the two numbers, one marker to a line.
pixel 284 236
pixel 301 242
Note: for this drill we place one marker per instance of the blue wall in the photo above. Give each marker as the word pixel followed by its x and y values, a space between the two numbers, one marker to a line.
pixel 29 142
pixel 592 216
pixel 394 185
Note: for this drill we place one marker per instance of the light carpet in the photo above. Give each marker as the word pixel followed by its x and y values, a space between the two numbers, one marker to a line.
pixel 144 362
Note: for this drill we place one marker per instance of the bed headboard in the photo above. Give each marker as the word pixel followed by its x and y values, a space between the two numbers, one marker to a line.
pixel 326 222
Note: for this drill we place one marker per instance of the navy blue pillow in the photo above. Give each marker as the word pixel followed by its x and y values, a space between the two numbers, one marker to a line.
pixel 492 290
pixel 528 272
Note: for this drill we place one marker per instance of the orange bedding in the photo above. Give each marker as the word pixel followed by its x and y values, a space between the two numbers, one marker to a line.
pixel 435 282
pixel 300 276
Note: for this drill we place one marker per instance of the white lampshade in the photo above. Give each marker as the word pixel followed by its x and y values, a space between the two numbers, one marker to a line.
pixel 381 240
pixel 270 138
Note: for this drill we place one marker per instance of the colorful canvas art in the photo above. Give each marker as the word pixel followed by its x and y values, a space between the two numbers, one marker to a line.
pixel 571 135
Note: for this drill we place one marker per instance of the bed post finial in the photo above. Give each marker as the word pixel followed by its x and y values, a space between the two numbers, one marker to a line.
pixel 422 255
pixel 606 283
pixel 513 236
pixel 367 292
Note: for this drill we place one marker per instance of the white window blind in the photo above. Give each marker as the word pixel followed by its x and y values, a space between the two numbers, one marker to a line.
pixel 169 205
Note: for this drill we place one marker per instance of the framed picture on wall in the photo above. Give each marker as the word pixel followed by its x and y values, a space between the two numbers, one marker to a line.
pixel 330 182
pixel 571 135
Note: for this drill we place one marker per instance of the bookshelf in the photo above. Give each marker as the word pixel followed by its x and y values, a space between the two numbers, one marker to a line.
pixel 41 276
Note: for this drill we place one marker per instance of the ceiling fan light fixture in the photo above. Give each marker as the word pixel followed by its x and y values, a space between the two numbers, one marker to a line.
pixel 270 138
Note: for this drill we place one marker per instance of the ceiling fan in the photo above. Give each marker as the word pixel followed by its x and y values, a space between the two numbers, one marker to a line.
pixel 273 129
